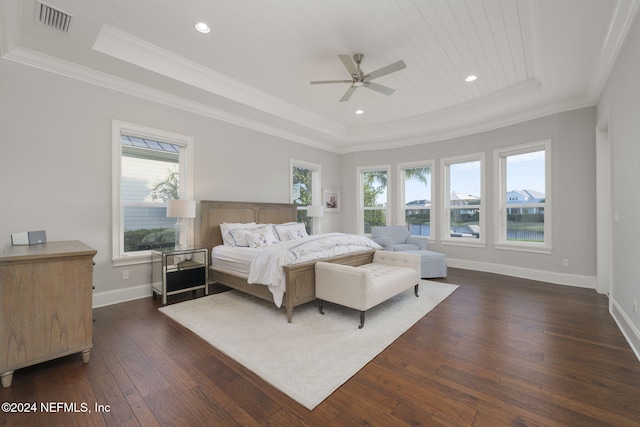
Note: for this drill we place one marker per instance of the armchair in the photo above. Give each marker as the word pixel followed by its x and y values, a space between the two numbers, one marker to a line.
pixel 397 238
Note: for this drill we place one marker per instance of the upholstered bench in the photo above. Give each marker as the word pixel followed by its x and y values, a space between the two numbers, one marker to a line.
pixel 366 286
pixel 432 264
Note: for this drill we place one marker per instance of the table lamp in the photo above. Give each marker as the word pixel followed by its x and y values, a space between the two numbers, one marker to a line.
pixel 181 209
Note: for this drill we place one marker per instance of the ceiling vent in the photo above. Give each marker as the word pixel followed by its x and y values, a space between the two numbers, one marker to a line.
pixel 52 17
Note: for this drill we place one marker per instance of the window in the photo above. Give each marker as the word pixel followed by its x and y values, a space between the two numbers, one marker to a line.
pixel 150 167
pixel 463 203
pixel 372 192
pixel 522 219
pixel 305 190
pixel 415 181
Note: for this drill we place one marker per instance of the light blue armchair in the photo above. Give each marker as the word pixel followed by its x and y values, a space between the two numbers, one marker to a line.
pixel 397 238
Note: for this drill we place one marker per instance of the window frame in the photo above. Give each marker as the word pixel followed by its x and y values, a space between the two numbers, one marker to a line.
pixel 316 186
pixel 402 167
pixel 118 127
pixel 500 179
pixel 445 233
pixel 360 185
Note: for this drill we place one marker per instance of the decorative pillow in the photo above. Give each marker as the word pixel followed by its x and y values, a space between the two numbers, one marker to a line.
pixel 227 227
pixel 282 230
pixel 297 233
pixel 239 235
pixel 260 239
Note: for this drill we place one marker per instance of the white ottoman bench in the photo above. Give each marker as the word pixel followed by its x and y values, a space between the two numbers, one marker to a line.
pixel 367 285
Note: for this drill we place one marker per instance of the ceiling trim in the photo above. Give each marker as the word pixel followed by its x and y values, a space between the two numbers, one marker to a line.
pixel 623 16
pixel 124 46
pixel 483 126
pixel 9 26
pixel 74 71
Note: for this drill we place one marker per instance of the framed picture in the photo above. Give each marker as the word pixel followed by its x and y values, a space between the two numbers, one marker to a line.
pixel 331 200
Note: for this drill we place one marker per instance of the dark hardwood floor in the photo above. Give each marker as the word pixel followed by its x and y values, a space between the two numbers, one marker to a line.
pixel 498 351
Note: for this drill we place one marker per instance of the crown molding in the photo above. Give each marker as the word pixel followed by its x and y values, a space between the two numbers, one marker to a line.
pixel 451 132
pixel 622 18
pixel 124 46
pixel 77 72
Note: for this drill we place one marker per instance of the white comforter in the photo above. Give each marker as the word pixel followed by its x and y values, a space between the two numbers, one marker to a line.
pixel 266 267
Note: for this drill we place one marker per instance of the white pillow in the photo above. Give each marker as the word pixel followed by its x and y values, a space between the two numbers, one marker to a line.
pixel 240 238
pixel 297 233
pixel 260 239
pixel 282 230
pixel 227 227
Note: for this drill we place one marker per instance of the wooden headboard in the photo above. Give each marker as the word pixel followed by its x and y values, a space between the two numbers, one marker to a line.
pixel 213 213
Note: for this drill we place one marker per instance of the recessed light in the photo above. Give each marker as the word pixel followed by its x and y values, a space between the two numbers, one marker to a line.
pixel 471 78
pixel 203 28
pixel 359 111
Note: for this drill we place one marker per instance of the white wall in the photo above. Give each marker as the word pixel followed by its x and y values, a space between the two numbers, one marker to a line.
pixel 55 173
pixel 572 138
pixel 55 164
pixel 619 108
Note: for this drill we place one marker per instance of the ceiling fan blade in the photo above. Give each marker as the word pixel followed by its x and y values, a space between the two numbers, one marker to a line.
pixel 349 64
pixel 348 94
pixel 324 82
pixel 379 88
pixel 391 68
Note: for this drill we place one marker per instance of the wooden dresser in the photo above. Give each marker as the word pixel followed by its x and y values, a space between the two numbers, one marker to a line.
pixel 45 304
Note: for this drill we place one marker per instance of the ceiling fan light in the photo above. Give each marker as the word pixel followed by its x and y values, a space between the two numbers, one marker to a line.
pixel 358 84
pixel 203 28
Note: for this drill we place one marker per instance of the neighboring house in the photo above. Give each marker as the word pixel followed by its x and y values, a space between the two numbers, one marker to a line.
pixel 459 199
pixel 521 197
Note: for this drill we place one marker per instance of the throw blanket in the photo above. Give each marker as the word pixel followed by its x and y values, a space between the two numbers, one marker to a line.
pixel 266 267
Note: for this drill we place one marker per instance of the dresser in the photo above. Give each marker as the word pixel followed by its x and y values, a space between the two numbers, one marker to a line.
pixel 45 304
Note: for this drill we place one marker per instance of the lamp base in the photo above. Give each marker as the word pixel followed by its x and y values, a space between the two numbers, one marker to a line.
pixel 181 235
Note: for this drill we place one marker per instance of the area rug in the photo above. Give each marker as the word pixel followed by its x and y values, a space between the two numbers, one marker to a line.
pixel 311 357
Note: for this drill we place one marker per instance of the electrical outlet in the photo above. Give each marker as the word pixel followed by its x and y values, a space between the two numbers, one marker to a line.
pixel 565 262
pixel 125 274
pixel 635 306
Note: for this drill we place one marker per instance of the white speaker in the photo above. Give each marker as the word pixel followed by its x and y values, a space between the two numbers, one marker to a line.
pixel 29 238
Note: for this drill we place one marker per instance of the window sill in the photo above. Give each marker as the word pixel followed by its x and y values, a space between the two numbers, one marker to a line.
pixel 524 248
pixel 132 260
pixel 465 241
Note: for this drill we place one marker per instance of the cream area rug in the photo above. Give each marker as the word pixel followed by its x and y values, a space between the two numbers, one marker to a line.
pixel 311 357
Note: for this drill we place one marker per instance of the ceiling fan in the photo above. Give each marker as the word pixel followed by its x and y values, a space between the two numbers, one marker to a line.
pixel 359 78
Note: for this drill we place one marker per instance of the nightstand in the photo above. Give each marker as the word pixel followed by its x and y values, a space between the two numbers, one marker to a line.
pixel 174 271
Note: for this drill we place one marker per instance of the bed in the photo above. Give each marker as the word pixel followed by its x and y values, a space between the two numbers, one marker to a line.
pixel 300 278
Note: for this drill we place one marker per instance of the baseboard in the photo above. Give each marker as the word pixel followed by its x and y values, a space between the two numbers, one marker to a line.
pixel 627 327
pixel 101 299
pixel 525 273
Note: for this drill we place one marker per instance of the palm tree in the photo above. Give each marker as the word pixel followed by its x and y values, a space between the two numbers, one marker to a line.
pixel 167 189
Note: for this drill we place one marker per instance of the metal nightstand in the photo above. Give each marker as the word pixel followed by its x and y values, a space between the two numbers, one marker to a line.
pixel 175 271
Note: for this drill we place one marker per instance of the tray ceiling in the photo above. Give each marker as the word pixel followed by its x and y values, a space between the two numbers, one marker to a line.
pixel 532 57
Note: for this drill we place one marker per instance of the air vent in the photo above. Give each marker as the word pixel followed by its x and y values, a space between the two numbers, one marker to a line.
pixel 53 18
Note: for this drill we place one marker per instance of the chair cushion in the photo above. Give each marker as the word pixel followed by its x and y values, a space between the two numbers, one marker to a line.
pixel 397 233
pixel 399 247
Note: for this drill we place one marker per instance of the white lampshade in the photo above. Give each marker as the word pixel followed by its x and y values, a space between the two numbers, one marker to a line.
pixel 315 211
pixel 181 209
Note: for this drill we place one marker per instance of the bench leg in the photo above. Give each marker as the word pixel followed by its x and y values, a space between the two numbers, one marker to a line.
pixel 321 306
pixel 361 320
pixel 415 289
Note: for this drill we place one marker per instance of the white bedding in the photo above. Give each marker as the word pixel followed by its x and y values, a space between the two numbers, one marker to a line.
pixel 235 259
pixel 266 267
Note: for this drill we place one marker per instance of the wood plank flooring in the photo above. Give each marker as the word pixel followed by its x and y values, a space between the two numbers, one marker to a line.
pixel 498 351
